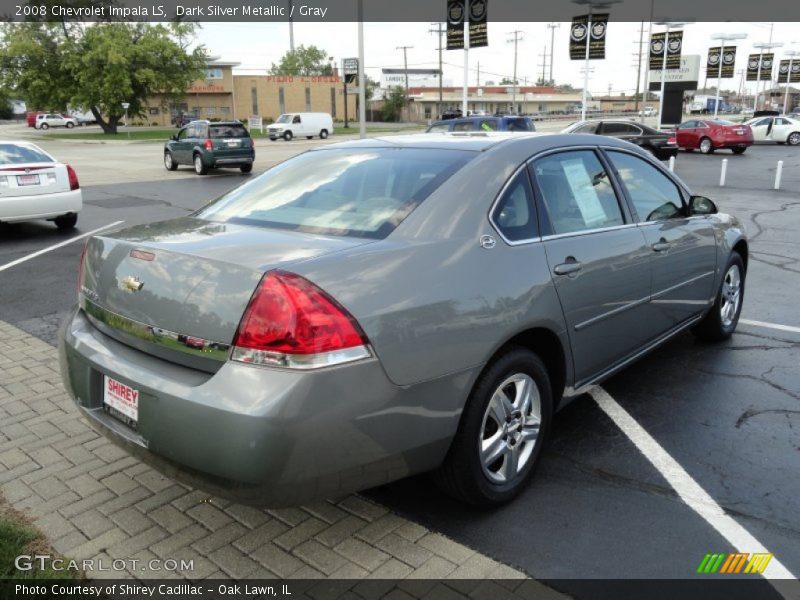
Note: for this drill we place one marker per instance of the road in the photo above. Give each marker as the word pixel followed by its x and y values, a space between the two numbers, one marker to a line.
pixel 729 414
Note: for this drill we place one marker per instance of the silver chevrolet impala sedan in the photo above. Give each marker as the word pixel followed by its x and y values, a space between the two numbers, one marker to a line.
pixel 378 308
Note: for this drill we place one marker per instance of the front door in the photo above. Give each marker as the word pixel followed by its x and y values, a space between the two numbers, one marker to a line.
pixel 598 259
pixel 762 129
pixel 181 149
pixel 686 134
pixel 683 247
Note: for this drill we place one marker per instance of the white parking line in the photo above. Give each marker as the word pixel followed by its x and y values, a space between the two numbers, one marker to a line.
pixel 687 488
pixel 14 263
pixel 770 325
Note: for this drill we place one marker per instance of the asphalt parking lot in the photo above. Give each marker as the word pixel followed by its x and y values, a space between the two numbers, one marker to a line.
pixel 728 414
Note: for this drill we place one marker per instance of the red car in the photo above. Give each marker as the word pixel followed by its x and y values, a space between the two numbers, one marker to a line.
pixel 712 134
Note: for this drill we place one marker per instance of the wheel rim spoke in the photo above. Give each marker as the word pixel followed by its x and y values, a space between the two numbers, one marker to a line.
pixel 511 464
pixel 494 448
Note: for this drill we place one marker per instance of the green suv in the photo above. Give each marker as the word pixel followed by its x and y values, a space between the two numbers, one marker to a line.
pixel 207 145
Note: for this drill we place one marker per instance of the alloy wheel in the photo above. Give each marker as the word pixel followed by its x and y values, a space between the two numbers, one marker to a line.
pixel 794 139
pixel 705 146
pixel 510 428
pixel 731 296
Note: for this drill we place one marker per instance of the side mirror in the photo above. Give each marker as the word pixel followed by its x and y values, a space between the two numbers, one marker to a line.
pixel 174 138
pixel 700 205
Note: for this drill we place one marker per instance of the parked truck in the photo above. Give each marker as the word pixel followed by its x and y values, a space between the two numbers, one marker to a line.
pixel 705 105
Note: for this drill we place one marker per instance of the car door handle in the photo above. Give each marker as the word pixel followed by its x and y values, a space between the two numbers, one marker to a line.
pixel 661 246
pixel 566 268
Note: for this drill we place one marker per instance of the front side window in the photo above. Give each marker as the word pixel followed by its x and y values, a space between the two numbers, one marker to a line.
pixel 576 191
pixel 183 133
pixel 688 125
pixel 585 128
pixel 519 125
pixel 514 216
pixel 463 126
pixel 439 128
pixel 654 195
pixel 488 125
pixel 360 193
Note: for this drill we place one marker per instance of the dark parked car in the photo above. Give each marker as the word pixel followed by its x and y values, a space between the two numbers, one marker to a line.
pixel 708 135
pixel 483 123
pixel 660 144
pixel 377 308
pixel 207 145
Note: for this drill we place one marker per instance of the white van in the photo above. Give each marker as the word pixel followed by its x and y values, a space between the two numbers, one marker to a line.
pixel 305 124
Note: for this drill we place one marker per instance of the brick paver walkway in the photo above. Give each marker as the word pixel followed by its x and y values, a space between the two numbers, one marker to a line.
pixel 92 500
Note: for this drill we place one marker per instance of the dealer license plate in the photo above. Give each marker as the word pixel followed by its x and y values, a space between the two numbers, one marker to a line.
pixel 27 180
pixel 121 400
pixel 233 143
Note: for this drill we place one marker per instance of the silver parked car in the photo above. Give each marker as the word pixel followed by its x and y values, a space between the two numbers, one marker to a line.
pixel 383 307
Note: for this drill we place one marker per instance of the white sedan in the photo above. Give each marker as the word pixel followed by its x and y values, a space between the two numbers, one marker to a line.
pixel 783 130
pixel 34 185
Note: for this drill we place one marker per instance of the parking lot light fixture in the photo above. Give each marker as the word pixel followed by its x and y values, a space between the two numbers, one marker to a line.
pixel 667 26
pixel 722 38
pixel 593 6
pixel 762 46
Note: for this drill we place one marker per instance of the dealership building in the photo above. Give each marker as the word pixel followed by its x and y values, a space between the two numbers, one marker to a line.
pixel 223 95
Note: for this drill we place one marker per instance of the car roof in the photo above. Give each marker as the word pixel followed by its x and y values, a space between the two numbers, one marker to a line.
pixel 528 142
pixel 206 121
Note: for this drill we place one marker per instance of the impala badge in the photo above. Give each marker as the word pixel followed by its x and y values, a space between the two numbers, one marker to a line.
pixel 130 284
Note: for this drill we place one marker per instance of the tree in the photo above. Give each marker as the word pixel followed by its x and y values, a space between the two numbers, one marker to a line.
pixel 393 104
pixel 99 67
pixel 508 81
pixel 303 61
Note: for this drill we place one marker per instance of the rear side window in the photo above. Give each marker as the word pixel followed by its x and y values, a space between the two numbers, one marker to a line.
pixel 519 125
pixel 654 195
pixel 515 216
pixel 11 154
pixel 353 192
pixel 463 126
pixel 576 191
pixel 620 129
pixel 488 125
pixel 228 131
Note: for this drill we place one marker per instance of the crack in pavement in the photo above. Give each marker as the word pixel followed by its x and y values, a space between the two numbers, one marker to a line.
pixel 748 414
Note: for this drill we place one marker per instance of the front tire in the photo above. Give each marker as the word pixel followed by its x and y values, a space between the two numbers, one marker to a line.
pixel 738 150
pixel 246 168
pixel 199 166
pixel 720 322
pixel 44 126
pixel 503 428
pixel 706 147
pixel 287 136
pixel 70 125
pixel 323 135
pixel 169 162
pixel 66 222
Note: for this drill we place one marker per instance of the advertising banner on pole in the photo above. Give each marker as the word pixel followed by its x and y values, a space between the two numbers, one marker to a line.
pixel 456 13
pixel 728 57
pixel 672 47
pixel 478 37
pixel 580 30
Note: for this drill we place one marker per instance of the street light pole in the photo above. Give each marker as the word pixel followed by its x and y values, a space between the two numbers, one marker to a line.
pixel 515 40
pixel 552 27
pixel 722 38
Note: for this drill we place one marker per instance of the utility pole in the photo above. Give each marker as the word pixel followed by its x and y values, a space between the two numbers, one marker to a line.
pixel 515 40
pixel 552 27
pixel 291 27
pixel 405 68
pixel 639 72
pixel 439 31
pixel 544 63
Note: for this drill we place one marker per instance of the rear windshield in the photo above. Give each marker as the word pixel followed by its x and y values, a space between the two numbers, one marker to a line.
pixel 11 154
pixel 228 131
pixel 519 125
pixel 348 192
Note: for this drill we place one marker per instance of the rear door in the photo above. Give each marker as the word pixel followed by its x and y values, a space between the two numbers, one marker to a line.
pixel 598 259
pixel 682 247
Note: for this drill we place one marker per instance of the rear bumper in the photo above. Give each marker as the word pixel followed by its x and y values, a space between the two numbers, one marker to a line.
pixel 266 437
pixel 42 206
pixel 234 161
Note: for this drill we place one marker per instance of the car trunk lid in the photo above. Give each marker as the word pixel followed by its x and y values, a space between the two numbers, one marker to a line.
pixel 178 289
pixel 33 179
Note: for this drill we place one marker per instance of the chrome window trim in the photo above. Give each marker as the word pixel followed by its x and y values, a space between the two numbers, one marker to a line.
pixel 497 198
pixel 658 165
pixel 557 236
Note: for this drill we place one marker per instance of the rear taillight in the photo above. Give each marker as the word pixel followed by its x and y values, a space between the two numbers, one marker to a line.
pixel 672 140
pixel 81 266
pixel 209 145
pixel 290 322
pixel 73 178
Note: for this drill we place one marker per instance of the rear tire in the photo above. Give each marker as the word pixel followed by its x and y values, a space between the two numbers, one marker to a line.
pixel 794 138
pixel 501 435
pixel 246 168
pixel 287 135
pixel 70 125
pixel 169 162
pixel 323 135
pixel 65 222
pixel 738 150
pixel 199 166
pixel 706 147
pixel 44 126
pixel 309 137
pixel 720 322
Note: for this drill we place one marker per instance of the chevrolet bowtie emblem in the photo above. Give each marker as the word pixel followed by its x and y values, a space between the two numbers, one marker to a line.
pixel 130 284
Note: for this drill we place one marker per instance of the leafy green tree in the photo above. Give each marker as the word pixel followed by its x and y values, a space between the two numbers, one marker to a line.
pixel 393 104
pixel 304 60
pixel 508 81
pixel 100 66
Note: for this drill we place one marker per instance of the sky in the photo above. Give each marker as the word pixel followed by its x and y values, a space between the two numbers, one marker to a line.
pixel 257 45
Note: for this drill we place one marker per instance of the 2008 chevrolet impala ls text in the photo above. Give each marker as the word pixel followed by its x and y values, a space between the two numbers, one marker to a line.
pixel 378 308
